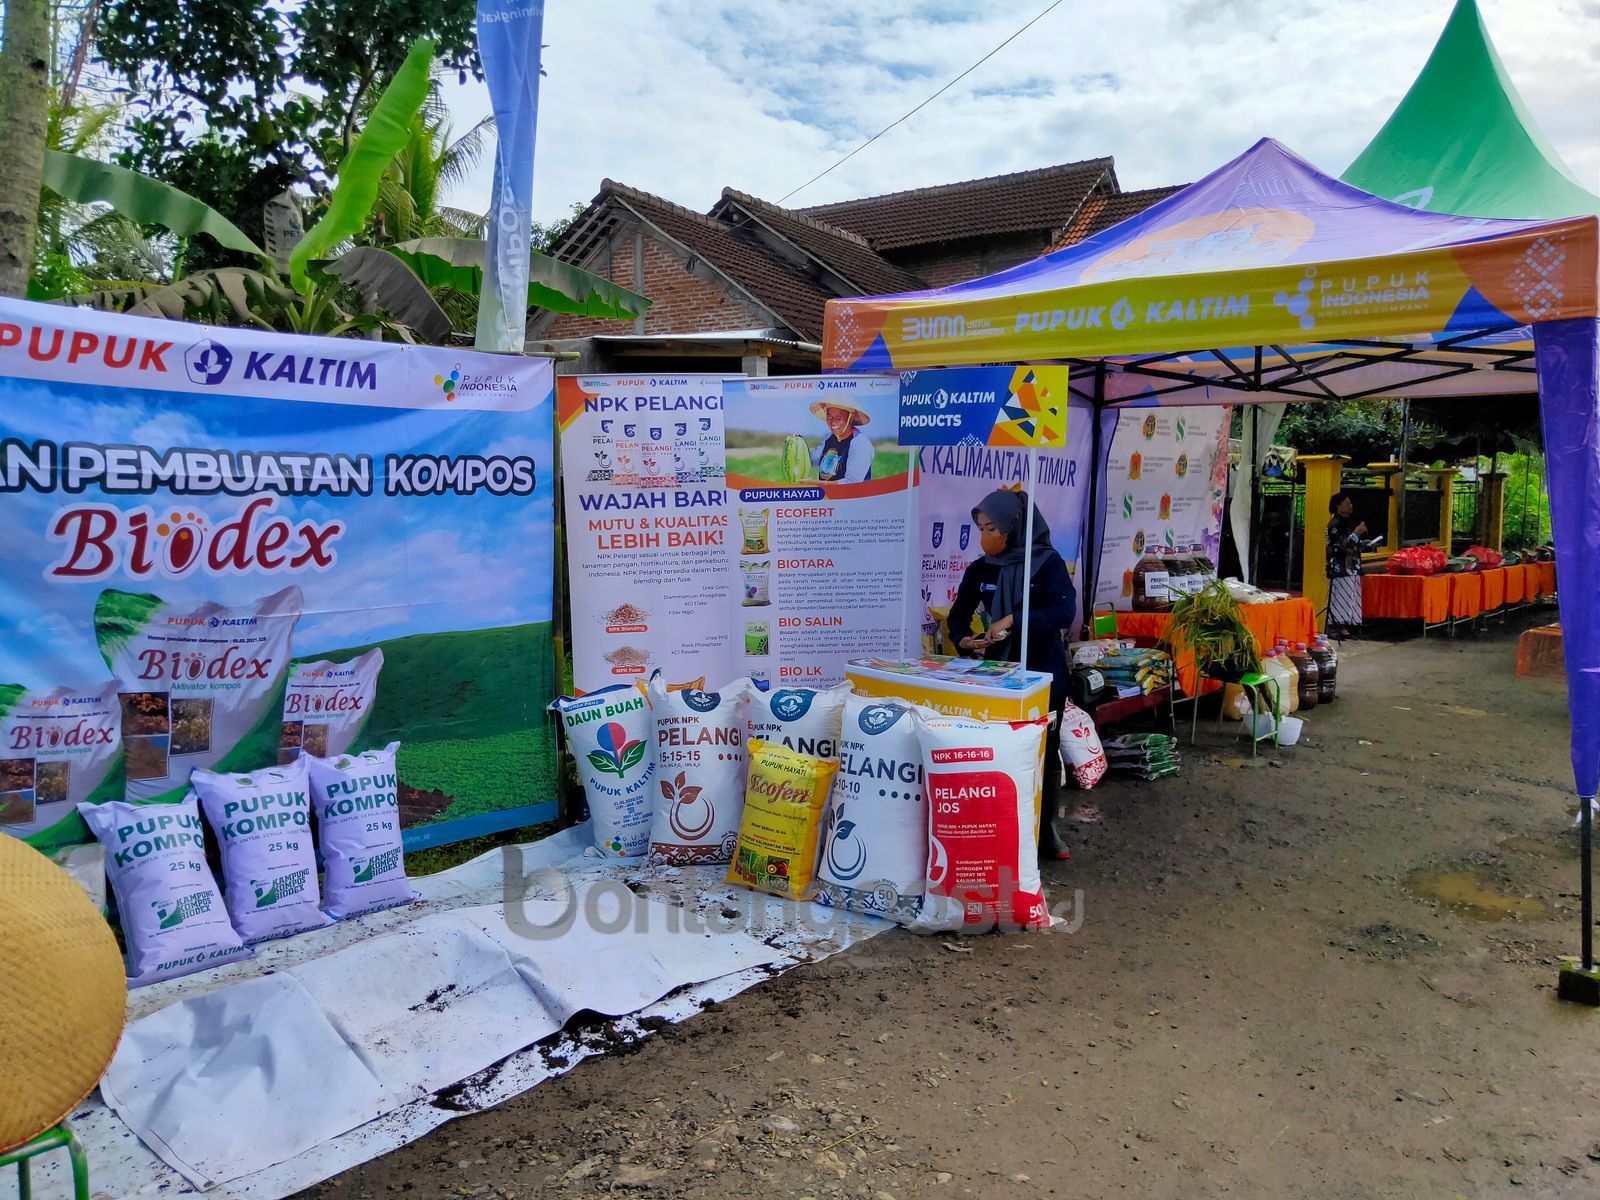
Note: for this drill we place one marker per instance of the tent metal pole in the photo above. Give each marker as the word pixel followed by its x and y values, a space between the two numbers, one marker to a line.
pixel 1091 542
pixel 1586 824
pixel 1254 456
pixel 1405 455
pixel 1027 552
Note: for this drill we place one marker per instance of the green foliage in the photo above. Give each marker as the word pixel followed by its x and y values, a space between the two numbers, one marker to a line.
pixel 218 111
pixel 1211 623
pixel 385 134
pixel 483 775
pixel 120 615
pixel 1364 430
pixel 553 285
pixel 1527 517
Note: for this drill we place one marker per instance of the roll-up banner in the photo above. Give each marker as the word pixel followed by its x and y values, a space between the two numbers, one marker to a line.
pixel 223 548
pixel 822 516
pixel 650 547
pixel 1166 477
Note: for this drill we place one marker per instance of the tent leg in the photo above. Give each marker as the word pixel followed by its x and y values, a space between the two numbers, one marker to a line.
pixel 1580 981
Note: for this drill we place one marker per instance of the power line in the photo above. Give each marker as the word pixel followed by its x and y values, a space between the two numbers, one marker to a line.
pixel 1044 13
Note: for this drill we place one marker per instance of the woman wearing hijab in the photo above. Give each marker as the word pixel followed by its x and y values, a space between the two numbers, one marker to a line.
pixel 845 455
pixel 1344 566
pixel 995 584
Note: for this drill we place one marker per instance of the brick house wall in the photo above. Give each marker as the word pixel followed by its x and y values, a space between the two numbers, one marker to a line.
pixel 957 262
pixel 682 303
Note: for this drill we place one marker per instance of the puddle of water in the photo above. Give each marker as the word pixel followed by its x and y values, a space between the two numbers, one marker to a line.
pixel 1471 895
pixel 1523 843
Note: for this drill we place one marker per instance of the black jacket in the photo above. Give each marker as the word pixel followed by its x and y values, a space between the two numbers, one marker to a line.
pixel 1051 605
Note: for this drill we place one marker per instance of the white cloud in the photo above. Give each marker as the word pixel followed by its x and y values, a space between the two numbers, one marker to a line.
pixel 681 97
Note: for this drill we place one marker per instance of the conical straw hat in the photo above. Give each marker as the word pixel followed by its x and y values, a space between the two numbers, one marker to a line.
pixel 63 995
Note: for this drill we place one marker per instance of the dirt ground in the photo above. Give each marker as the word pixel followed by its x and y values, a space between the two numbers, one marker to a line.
pixel 1263 999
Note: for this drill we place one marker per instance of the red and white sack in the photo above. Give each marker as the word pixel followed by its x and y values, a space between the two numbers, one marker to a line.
pixel 1080 747
pixel 875 832
pixel 803 719
pixel 983 782
pixel 326 704
pixel 700 772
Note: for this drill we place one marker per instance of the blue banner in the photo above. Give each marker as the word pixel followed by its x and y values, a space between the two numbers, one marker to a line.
pixel 220 548
pixel 984 406
pixel 509 35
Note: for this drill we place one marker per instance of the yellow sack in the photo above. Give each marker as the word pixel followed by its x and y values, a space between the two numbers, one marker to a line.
pixel 783 805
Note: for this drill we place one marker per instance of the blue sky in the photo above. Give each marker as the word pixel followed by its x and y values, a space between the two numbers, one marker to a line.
pixel 416 565
pixel 682 97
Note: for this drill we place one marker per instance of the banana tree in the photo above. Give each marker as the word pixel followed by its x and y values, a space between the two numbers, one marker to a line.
pixel 328 276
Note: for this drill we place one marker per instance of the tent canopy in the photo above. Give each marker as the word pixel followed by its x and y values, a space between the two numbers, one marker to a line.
pixel 1265 252
pixel 1462 140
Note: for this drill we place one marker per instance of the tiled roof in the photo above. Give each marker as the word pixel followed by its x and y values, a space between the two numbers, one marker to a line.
pixel 773 282
pixel 1046 198
pixel 1102 212
pixel 845 253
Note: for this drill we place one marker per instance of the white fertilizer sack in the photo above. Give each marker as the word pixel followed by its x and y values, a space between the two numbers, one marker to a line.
pixel 802 719
pixel 358 827
pixel 172 915
pixel 262 821
pixel 700 772
pixel 875 832
pixel 609 733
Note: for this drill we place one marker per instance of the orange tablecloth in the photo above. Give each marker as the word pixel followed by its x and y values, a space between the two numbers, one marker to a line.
pixel 1517 584
pixel 1293 619
pixel 1494 588
pixel 1466 595
pixel 1406 597
pixel 1534 587
pixel 1547 578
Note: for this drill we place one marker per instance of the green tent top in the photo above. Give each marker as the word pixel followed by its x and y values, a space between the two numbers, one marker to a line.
pixel 1463 142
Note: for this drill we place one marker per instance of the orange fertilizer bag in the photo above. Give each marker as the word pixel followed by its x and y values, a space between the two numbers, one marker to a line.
pixel 778 833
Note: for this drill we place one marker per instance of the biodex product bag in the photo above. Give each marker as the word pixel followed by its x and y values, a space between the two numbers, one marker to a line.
pixel 783 802
pixel 1080 747
pixel 325 705
pixel 357 801
pixel 201 687
pixel 700 772
pixel 609 733
pixel 983 780
pixel 874 856
pixel 802 719
pixel 262 821
pixel 57 749
pixel 173 918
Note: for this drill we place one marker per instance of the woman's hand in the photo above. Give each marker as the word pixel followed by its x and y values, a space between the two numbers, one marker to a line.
pixel 976 644
pixel 1000 628
pixel 1361 528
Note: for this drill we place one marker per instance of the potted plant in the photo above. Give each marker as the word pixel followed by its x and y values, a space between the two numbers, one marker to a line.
pixel 1210 623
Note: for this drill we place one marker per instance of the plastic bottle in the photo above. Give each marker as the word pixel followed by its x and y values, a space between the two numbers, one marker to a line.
pixel 1286 661
pixel 1206 570
pixel 1310 677
pixel 1272 666
pixel 1150 592
pixel 1177 567
pixel 1327 668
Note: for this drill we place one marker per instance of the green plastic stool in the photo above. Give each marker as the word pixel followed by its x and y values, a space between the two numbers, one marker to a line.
pixel 51 1139
pixel 1254 684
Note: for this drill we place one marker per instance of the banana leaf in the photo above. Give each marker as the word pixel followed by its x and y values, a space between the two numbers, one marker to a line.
pixel 141 199
pixel 389 283
pixel 384 135
pixel 552 285
pixel 240 289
